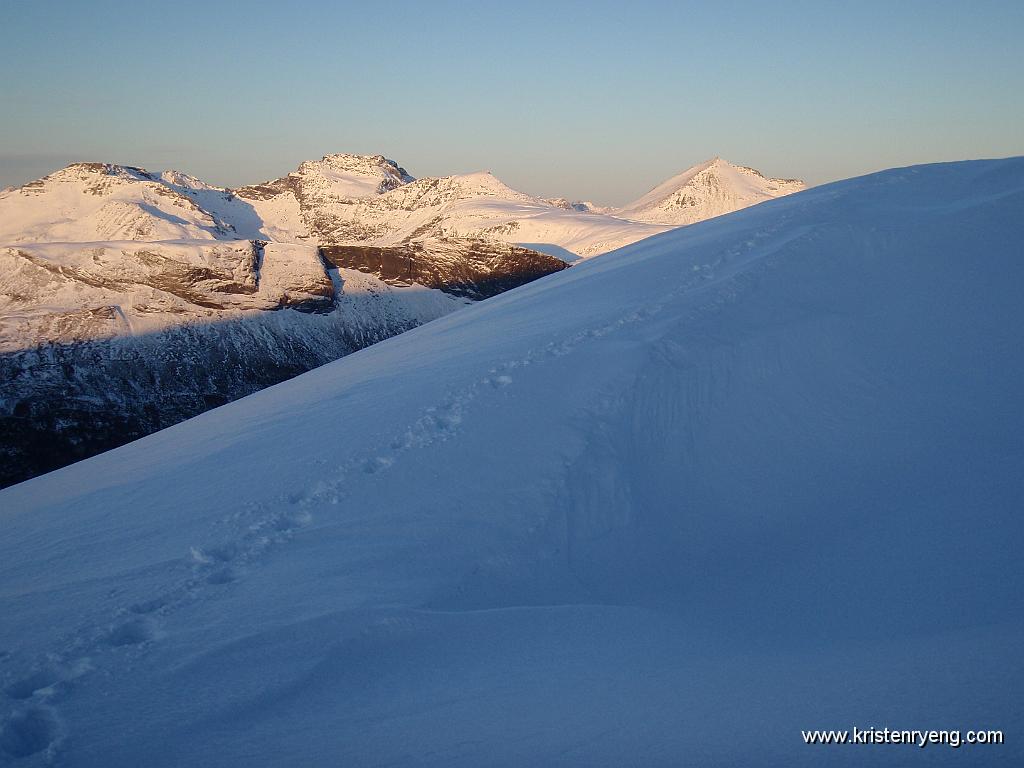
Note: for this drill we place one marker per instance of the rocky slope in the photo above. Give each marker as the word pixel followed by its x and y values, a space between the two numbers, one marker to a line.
pixel 474 269
pixel 101 343
pixel 68 292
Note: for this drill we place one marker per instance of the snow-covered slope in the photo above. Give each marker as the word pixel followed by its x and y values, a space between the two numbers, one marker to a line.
pixel 67 292
pixel 97 201
pixel 705 191
pixel 669 507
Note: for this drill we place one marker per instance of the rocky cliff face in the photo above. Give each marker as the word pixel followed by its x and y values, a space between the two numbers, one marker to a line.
pixel 474 269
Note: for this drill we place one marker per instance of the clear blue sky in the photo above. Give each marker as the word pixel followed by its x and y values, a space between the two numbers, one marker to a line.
pixel 588 100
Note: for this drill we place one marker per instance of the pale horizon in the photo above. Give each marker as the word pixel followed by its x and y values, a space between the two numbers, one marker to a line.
pixel 583 101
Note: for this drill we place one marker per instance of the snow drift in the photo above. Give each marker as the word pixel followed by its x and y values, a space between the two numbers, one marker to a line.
pixel 670 507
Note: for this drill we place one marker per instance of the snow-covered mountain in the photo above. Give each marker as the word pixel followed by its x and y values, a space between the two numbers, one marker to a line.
pixel 338 200
pixel 582 206
pixel 705 191
pixel 132 284
pixel 321 202
pixel 92 202
pixel 671 506
pixel 98 251
pixel 346 199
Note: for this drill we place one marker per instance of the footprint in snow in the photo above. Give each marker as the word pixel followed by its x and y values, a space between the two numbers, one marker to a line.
pixel 29 731
pixel 132 632
pixel 40 680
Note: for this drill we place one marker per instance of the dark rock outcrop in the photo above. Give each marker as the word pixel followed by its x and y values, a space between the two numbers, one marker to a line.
pixel 475 269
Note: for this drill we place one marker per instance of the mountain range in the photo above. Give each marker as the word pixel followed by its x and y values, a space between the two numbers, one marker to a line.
pixel 130 300
pixel 671 506
pixel 360 199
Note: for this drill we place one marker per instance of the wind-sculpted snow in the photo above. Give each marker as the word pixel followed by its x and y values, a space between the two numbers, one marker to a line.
pixel 668 507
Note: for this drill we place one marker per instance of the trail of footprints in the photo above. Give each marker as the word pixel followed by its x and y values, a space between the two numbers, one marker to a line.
pixel 32 725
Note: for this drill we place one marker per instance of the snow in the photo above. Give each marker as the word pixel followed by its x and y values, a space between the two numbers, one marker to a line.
pixel 65 292
pixel 704 191
pixel 367 199
pixel 94 202
pixel 668 507
pixel 310 205
pixel 340 199
pixel 58 292
pixel 353 176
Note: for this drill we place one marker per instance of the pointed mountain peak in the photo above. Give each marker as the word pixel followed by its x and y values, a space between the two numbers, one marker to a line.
pixel 705 190
pixel 715 163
